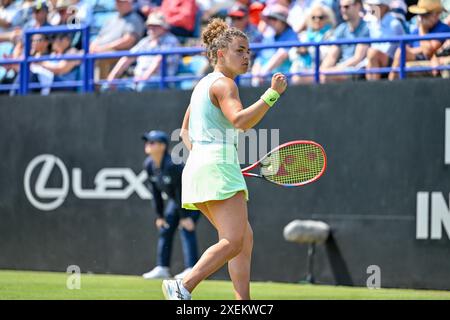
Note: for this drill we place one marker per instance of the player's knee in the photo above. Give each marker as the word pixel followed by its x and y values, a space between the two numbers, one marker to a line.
pixel 234 246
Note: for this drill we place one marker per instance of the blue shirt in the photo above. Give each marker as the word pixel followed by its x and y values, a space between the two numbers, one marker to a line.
pixel 438 28
pixel 389 26
pixel 287 35
pixel 343 32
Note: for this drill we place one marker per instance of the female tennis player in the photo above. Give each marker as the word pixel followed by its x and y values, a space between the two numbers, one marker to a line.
pixel 212 180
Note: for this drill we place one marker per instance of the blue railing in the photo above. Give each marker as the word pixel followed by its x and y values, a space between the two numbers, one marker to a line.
pixel 87 59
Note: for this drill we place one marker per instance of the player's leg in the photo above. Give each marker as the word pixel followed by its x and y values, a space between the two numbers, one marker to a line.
pixel 231 220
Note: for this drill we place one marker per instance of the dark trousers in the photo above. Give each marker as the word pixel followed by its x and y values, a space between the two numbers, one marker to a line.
pixel 166 235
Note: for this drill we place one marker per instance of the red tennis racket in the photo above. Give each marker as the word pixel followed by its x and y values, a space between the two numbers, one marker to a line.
pixel 291 164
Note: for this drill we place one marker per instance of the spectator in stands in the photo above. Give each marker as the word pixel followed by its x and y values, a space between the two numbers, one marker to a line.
pixel 399 11
pixel 211 8
pixel 39 16
pixel 344 57
pixel 39 19
pixel 82 12
pixel 180 15
pixel 381 24
pixel 40 46
pixel 147 66
pixel 428 12
pixel 60 70
pixel 238 17
pixel 119 33
pixel 320 23
pixel 300 9
pixel 270 61
pixel 10 15
pixel 66 17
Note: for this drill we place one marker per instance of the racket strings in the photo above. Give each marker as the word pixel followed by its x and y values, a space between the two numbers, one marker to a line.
pixel 293 164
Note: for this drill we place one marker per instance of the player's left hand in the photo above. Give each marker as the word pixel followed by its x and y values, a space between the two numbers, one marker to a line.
pixel 188 224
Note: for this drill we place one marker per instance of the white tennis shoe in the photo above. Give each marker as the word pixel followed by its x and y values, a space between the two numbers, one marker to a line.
pixel 158 272
pixel 174 290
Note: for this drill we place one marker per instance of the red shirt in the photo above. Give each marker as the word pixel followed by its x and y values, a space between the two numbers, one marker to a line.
pixel 180 13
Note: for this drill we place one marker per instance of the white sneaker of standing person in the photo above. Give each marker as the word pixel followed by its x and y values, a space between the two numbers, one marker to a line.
pixel 174 290
pixel 158 272
pixel 182 274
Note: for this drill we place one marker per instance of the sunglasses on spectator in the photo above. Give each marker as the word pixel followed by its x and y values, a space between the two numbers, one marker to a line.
pixel 318 18
pixel 346 7
pixel 236 18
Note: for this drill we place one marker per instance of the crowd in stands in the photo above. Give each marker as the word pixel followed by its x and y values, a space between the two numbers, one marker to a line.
pixel 144 25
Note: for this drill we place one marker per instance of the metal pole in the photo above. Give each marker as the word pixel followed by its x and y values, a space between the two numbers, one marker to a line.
pixel 310 263
pixel 402 60
pixel 24 67
pixel 86 61
pixel 317 65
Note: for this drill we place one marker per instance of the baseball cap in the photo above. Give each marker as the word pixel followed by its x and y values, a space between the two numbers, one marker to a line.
pixel 156 136
pixel 40 5
pixel 276 11
pixel 157 19
pixel 238 11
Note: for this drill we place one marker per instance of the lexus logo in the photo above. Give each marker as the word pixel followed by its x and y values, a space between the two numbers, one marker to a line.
pixel 109 183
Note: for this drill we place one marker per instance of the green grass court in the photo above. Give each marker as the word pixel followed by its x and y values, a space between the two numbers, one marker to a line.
pixel 51 285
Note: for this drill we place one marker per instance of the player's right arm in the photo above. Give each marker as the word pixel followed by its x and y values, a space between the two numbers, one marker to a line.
pixel 225 95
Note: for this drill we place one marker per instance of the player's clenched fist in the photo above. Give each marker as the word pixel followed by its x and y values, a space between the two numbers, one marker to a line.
pixel 279 82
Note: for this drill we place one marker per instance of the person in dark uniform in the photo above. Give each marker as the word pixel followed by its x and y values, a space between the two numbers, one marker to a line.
pixel 165 176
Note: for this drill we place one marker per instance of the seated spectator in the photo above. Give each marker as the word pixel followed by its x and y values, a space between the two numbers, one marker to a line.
pixel 399 11
pixel 180 15
pixel 65 17
pixel 238 17
pixel 148 66
pixel 428 12
pixel 273 60
pixel 381 24
pixel 40 46
pixel 59 70
pixel 84 12
pixel 10 15
pixel 349 56
pixel 119 33
pixel 300 9
pixel 39 16
pixel 211 8
pixel 320 23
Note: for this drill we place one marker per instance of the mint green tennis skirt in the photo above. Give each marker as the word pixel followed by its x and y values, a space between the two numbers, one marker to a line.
pixel 212 172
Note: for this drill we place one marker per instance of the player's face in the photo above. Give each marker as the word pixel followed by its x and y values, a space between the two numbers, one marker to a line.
pixel 237 56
